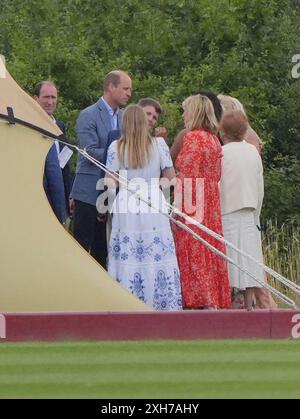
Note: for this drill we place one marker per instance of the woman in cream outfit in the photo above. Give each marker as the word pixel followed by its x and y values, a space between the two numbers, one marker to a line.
pixel 263 297
pixel 242 192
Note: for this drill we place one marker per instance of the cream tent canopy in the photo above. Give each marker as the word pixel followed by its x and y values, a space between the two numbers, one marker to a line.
pixel 42 268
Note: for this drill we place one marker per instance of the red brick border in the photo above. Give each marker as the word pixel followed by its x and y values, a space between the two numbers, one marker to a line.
pixel 227 324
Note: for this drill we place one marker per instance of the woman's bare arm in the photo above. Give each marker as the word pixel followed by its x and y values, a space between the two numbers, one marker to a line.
pixel 177 145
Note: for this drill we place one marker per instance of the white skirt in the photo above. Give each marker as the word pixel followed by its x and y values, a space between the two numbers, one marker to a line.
pixel 141 252
pixel 240 229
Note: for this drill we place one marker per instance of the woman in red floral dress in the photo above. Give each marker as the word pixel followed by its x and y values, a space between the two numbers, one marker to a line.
pixel 204 275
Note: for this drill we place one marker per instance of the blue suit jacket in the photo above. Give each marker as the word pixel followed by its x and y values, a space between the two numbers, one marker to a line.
pixel 54 185
pixel 114 135
pixel 93 126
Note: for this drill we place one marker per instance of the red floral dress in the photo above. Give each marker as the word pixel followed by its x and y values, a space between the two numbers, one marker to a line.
pixel 204 275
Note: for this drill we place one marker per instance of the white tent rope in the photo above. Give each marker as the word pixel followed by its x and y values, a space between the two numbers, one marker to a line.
pixel 294 287
pixel 276 275
pixel 124 182
pixel 116 176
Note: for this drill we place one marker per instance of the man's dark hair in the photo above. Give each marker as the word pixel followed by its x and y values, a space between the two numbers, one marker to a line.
pixel 38 87
pixel 215 101
pixel 148 101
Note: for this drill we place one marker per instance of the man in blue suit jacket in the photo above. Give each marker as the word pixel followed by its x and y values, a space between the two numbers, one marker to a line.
pixel 153 110
pixel 54 185
pixel 93 126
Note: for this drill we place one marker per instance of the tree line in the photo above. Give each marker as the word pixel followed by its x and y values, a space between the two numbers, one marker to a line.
pixel 171 48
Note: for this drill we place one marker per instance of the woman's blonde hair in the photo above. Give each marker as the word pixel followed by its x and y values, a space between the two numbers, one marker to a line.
pixel 230 103
pixel 135 145
pixel 200 114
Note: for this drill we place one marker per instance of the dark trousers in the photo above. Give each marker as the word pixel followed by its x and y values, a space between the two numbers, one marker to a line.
pixel 89 232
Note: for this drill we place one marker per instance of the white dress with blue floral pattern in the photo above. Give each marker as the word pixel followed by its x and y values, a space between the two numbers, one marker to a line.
pixel 141 254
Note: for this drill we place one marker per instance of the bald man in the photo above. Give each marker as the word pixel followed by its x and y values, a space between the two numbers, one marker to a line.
pixel 93 126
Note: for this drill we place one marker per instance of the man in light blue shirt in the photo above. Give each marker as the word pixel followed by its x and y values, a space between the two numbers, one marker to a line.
pixel 112 113
pixel 93 126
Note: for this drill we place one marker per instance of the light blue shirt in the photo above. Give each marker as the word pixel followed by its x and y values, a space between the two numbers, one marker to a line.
pixel 113 115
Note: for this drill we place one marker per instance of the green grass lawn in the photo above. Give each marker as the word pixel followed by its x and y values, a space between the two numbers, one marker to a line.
pixel 156 369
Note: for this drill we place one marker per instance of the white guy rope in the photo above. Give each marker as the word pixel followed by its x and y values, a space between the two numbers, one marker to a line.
pixel 124 181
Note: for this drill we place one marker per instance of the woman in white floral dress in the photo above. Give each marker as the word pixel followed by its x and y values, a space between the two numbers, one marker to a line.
pixel 141 254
